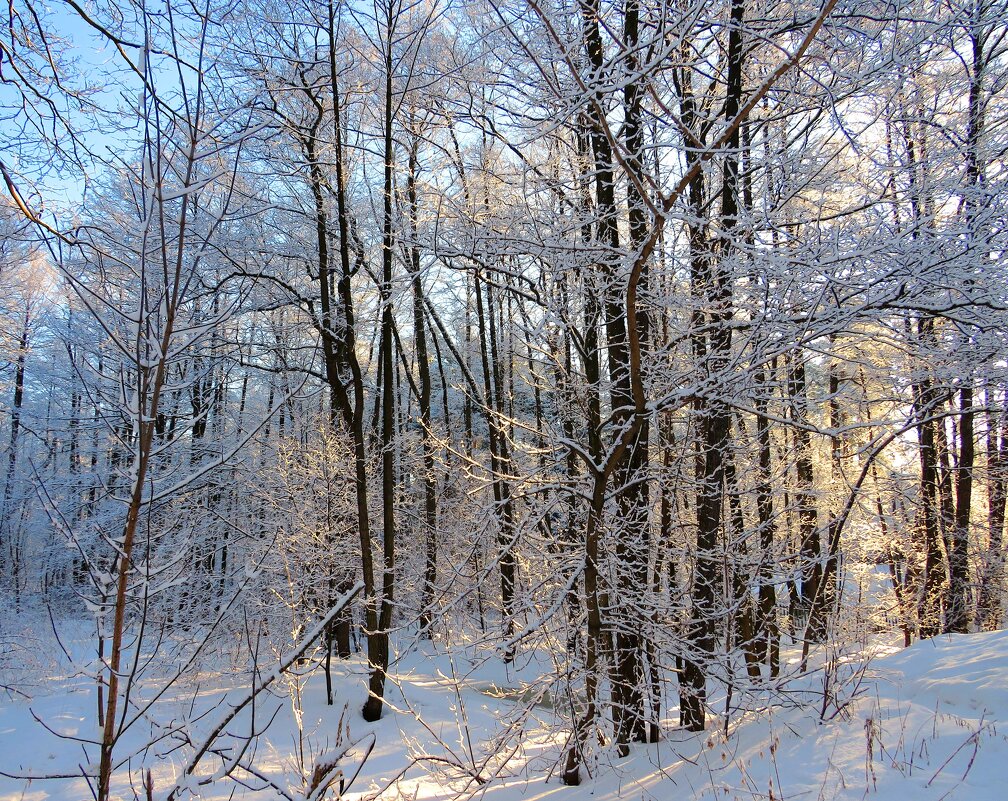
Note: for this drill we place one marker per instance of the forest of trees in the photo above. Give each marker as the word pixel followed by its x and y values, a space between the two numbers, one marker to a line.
pixel 652 334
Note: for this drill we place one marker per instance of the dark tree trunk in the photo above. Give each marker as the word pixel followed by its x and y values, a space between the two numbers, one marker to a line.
pixel 423 368
pixel 742 614
pixel 824 607
pixel 988 617
pixel 499 461
pixel 957 614
pixel 699 631
pixel 767 628
pixel 810 564
pixel 8 528
pixel 631 475
pixel 946 494
pixel 595 598
pixel 378 641
pixel 929 601
pixel 712 282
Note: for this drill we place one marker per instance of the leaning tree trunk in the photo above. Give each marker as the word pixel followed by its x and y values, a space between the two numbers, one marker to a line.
pixel 500 461
pixel 331 326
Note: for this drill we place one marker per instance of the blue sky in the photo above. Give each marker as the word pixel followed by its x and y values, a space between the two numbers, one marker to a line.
pixel 27 137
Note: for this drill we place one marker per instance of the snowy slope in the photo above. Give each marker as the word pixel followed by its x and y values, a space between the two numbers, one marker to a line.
pixel 928 722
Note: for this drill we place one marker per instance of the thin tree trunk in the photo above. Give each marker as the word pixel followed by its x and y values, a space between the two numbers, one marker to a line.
pixel 8 528
pixel 713 282
pixel 423 368
pixel 767 627
pixel 810 564
pixel 594 600
pixel 378 655
pixel 929 600
pixel 499 462
pixel 957 615
pixel 988 616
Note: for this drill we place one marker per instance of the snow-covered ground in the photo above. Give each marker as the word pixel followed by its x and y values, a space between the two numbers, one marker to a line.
pixel 927 722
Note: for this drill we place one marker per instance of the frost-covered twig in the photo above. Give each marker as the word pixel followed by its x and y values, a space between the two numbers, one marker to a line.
pixel 279 670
